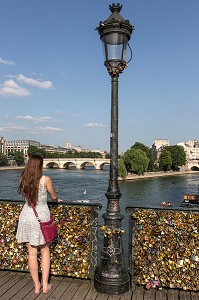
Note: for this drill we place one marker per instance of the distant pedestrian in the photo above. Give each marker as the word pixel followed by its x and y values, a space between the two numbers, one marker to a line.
pixel 34 188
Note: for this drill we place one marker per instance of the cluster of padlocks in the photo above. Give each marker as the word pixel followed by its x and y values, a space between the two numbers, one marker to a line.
pixel 70 251
pixel 166 249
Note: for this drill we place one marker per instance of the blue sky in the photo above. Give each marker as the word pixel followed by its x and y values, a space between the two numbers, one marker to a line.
pixel 54 87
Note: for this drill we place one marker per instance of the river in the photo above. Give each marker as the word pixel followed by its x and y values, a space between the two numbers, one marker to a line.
pixel 71 185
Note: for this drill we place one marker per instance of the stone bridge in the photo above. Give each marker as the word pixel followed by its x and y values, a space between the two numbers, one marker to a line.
pixel 79 163
pixel 192 163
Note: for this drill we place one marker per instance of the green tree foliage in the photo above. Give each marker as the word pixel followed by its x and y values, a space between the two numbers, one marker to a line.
pixel 178 156
pixel 148 152
pixel 136 160
pixel 141 146
pixel 87 154
pixel 35 150
pixel 122 172
pixel 3 160
pixel 18 157
pixel 165 161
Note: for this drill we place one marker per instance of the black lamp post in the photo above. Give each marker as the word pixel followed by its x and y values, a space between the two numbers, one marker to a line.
pixel 111 276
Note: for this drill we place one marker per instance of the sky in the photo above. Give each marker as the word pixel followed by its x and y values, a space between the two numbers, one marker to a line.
pixel 54 87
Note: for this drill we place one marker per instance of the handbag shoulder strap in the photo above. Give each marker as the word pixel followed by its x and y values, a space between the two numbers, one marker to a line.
pixel 35 212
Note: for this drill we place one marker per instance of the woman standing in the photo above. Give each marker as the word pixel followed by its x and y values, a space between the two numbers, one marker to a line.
pixel 34 188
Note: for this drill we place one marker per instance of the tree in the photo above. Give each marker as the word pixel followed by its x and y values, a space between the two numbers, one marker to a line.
pixel 42 152
pixel 136 161
pixel 165 162
pixel 148 151
pixel 3 160
pixel 122 172
pixel 19 158
pixel 178 156
pixel 141 146
pixel 35 150
pixel 89 154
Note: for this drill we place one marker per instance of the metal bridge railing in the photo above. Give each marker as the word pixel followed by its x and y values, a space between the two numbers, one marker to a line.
pixel 164 247
pixel 73 252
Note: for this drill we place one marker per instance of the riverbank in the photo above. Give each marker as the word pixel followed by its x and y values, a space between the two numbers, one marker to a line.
pixel 129 176
pixel 11 168
pixel 157 174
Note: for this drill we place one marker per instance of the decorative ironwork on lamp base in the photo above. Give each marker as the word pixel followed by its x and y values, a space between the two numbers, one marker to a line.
pixel 111 276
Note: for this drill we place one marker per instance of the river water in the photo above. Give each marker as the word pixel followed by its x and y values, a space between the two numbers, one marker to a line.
pixel 71 185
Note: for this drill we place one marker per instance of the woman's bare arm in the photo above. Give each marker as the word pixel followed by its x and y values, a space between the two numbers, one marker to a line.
pixel 50 189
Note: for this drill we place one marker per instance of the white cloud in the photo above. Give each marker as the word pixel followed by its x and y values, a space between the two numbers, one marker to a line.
pixel 34 119
pixel 6 62
pixel 13 128
pixel 11 88
pixel 35 83
pixel 95 125
pixel 49 129
pixel 16 129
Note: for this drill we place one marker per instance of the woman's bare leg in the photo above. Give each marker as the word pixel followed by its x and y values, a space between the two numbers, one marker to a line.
pixel 33 266
pixel 45 265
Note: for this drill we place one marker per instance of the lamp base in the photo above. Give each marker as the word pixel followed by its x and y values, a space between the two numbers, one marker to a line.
pixel 112 285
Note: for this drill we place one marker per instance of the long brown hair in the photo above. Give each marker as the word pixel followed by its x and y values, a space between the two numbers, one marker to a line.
pixel 29 179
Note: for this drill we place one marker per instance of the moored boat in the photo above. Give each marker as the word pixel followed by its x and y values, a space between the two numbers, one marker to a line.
pixel 190 200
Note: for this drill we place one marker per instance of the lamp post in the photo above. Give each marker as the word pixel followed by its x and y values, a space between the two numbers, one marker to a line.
pixel 111 276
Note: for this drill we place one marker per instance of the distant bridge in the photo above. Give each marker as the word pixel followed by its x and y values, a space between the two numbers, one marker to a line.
pixel 192 163
pixel 79 163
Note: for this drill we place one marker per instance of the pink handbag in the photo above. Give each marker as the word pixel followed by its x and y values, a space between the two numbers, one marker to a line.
pixel 49 229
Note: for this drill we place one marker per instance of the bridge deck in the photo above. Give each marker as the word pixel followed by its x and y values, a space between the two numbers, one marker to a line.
pixel 18 286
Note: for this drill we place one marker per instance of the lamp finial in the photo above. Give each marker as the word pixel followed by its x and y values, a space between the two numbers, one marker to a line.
pixel 115 7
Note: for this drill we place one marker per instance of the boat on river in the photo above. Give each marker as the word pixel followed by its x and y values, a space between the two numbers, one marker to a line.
pixel 190 200
pixel 166 203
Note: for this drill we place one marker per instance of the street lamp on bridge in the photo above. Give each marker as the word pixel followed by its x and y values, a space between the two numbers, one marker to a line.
pixel 111 276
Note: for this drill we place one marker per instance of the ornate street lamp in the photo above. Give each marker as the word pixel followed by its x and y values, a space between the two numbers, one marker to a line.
pixel 111 276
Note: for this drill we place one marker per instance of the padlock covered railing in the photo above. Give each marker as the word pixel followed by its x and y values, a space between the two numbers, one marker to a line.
pixel 164 247
pixel 73 252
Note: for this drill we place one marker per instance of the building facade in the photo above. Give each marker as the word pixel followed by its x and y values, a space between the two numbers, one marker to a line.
pixel 191 149
pixel 19 146
pixel 2 145
pixel 54 149
pixel 158 146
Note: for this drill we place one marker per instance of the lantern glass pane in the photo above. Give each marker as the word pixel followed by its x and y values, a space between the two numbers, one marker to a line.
pixel 114 46
pixel 114 52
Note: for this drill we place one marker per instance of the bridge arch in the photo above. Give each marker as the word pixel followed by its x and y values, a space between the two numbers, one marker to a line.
pixel 101 166
pixel 192 165
pixel 195 168
pixel 68 164
pixel 52 165
pixel 86 164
